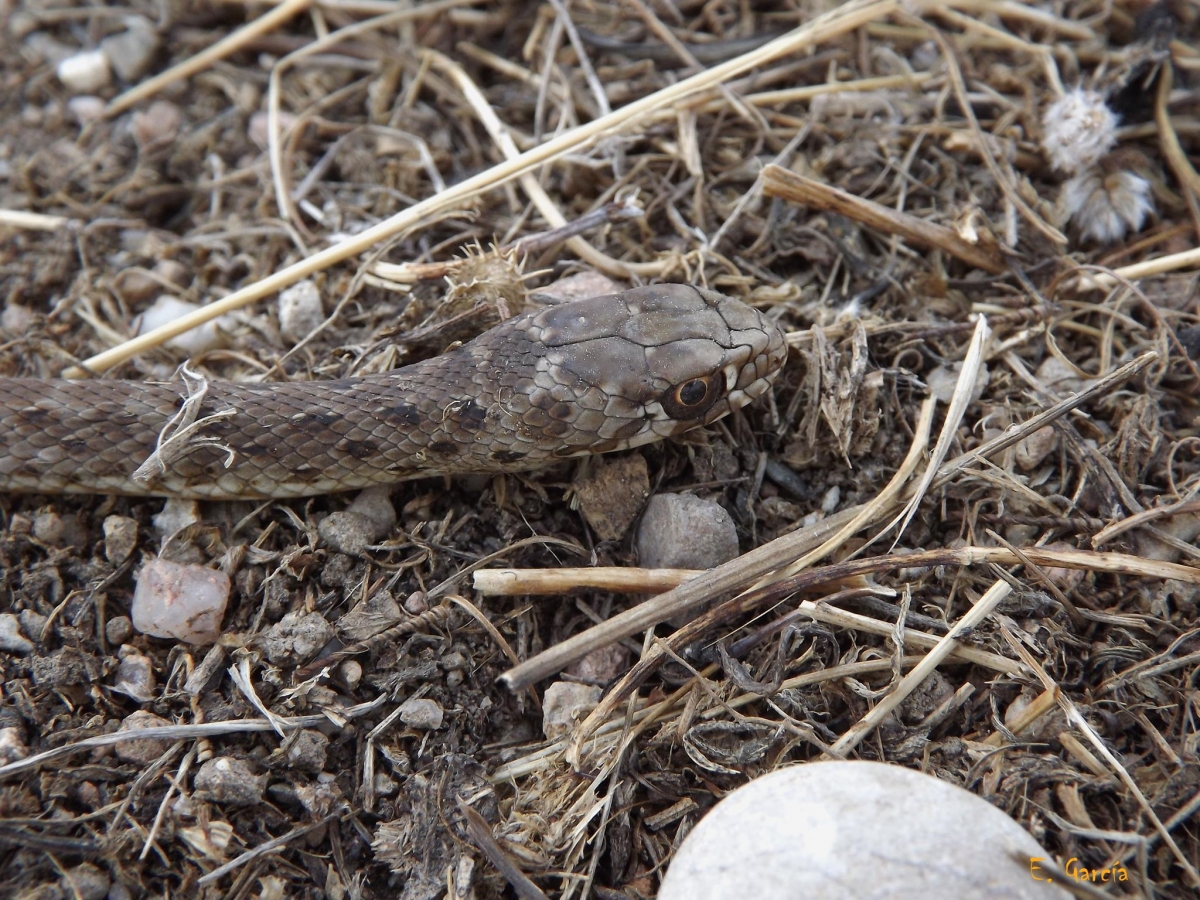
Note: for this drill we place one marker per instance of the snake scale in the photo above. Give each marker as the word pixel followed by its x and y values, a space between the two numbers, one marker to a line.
pixel 583 377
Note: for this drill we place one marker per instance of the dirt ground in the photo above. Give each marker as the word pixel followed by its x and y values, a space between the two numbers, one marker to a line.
pixel 997 278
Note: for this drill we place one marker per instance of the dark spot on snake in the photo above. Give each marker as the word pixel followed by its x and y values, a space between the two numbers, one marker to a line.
pixel 403 414
pixel 255 450
pixel 507 456
pixel 560 411
pixel 628 430
pixel 470 415
pixel 542 400
pixel 36 416
pixel 445 447
pixel 558 429
pixel 357 449
pixel 78 449
pixel 313 423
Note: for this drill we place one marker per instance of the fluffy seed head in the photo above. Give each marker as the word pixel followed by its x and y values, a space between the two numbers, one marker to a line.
pixel 1107 204
pixel 1078 129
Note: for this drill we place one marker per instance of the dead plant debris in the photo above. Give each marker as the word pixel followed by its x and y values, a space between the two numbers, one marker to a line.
pixel 990 203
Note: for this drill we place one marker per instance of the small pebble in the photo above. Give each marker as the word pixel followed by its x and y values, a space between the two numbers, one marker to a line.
pixel 58 531
pixel 1029 453
pixel 308 751
pixel 300 310
pixel 347 532
pixel 16 320
pixel 421 713
pixel 601 666
pixel 86 882
pixel 21 22
pixel 12 745
pixel 831 499
pixel 85 108
pixel 177 514
pixel 11 638
pixel 565 705
pixel 843 829
pixel 120 537
pixel 33 623
pixel 612 493
pixel 157 126
pixel 579 286
pixel 135 675
pixel 118 630
pixel 229 780
pixel 296 638
pixel 943 380
pixel 167 309
pixel 142 752
pixel 84 73
pixel 350 672
pixel 416 603
pixel 1059 377
pixel 131 51
pixel 173 272
pixel 1021 535
pixel 376 504
pixel 682 531
pixel 182 602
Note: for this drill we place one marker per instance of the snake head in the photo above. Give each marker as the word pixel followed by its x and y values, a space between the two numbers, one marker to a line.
pixel 651 362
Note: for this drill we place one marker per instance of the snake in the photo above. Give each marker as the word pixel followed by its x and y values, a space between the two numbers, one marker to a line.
pixel 581 377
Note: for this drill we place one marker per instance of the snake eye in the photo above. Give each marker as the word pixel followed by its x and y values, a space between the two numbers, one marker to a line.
pixel 692 393
pixel 691 399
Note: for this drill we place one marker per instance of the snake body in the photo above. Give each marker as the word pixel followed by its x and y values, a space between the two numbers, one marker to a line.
pixel 584 377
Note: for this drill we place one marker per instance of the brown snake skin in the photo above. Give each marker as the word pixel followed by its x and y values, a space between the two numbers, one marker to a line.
pixel 584 377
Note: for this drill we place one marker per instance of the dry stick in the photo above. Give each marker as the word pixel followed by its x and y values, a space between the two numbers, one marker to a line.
pixel 536 582
pixel 738 573
pixel 910 682
pixel 31 221
pixel 787 185
pixel 833 23
pixel 1185 259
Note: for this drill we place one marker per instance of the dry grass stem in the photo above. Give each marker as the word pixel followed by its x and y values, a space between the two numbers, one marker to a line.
pixel 779 182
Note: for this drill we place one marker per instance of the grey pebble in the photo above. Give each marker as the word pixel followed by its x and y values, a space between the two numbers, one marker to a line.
pixel 226 779
pixel 296 638
pixel 682 531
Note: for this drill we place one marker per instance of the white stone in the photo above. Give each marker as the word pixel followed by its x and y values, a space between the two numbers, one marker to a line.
pixel 422 714
pixel 11 638
pixel 167 309
pixel 832 830
pixel 176 515
pixel 186 603
pixel 84 73
pixel 565 704
pixel 85 108
pixel 300 310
